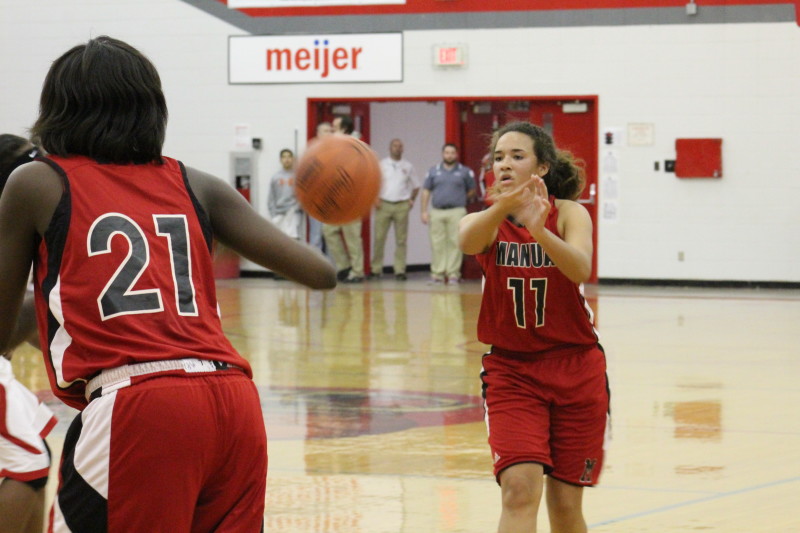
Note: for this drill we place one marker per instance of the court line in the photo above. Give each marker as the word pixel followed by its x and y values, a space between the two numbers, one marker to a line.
pixel 696 501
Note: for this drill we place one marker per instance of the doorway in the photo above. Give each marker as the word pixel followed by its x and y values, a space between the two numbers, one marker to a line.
pixel 469 122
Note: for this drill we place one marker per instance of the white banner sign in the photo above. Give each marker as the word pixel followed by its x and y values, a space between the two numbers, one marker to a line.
pixel 244 4
pixel 349 57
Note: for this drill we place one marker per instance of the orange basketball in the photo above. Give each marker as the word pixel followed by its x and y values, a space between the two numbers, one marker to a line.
pixel 338 179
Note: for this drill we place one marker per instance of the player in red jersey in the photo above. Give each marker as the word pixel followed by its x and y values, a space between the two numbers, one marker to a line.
pixel 544 380
pixel 170 436
pixel 24 420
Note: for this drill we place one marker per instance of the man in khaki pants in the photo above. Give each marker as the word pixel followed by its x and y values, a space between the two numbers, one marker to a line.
pixel 343 242
pixel 449 186
pixel 399 188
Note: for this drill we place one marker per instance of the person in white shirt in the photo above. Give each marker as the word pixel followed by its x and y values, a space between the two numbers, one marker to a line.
pixel 399 188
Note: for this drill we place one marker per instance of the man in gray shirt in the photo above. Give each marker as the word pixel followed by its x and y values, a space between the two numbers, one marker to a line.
pixel 448 187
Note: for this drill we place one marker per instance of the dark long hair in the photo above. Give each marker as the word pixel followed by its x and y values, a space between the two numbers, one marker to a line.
pixel 102 99
pixel 566 177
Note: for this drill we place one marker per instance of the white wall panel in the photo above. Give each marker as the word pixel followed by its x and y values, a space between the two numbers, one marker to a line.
pixel 739 82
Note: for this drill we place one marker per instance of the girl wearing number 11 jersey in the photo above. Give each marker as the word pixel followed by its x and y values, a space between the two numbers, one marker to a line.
pixel 544 381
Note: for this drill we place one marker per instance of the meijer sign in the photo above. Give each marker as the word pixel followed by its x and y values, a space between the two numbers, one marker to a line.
pixel 350 57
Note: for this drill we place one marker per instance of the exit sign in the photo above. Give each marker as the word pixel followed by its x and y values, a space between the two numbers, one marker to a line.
pixel 449 55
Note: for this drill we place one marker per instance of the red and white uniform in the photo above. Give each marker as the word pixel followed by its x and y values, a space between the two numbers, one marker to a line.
pixel 24 423
pixel 544 382
pixel 124 274
pixel 171 434
pixel 528 304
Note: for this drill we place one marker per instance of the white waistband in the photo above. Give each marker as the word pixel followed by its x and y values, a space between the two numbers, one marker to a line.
pixel 119 377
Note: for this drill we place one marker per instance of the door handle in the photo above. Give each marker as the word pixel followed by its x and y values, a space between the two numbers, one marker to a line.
pixel 592 200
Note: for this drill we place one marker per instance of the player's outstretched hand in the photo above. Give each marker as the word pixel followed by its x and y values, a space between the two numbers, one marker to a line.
pixel 533 214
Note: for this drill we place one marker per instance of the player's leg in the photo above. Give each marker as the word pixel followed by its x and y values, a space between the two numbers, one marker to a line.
pixel 521 489
pixel 565 507
pixel 21 507
pixel 578 425
pixel 517 419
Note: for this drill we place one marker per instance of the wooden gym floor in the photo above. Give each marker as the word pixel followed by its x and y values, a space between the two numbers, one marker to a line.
pixel 372 404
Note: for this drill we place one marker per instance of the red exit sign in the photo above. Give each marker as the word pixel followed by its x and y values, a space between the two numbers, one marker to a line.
pixel 449 56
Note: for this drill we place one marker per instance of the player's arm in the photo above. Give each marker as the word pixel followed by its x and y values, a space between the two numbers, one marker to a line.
pixel 237 225
pixel 26 206
pixel 477 231
pixel 572 254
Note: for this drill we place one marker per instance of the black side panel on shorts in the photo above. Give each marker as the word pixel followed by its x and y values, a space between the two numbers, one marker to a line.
pixel 84 509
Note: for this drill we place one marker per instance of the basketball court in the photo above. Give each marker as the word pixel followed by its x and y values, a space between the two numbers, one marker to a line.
pixel 372 404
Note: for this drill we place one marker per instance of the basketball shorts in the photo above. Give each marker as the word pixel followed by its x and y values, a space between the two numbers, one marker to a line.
pixel 548 410
pixel 24 423
pixel 171 452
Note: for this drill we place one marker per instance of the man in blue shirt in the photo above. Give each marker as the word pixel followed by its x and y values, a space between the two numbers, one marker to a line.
pixel 448 187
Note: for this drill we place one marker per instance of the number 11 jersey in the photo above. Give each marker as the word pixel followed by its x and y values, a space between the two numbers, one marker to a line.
pixel 528 304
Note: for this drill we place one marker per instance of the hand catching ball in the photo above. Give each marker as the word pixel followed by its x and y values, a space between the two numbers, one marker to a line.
pixel 338 179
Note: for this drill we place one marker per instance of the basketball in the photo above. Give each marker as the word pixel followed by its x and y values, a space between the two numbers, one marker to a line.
pixel 338 179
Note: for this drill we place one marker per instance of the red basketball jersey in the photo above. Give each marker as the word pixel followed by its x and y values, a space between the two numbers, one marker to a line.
pixel 528 304
pixel 124 274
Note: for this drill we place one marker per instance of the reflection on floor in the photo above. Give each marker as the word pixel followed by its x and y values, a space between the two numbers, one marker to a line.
pixel 372 405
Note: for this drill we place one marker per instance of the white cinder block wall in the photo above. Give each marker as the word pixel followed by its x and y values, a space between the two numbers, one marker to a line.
pixel 740 82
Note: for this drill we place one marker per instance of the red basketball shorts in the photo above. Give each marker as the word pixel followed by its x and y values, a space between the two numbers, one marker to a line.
pixel 169 453
pixel 551 411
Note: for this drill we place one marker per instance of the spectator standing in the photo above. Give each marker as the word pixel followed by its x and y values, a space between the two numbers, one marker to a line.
pixel 315 226
pixel 343 242
pixel 448 187
pixel 284 209
pixel 399 188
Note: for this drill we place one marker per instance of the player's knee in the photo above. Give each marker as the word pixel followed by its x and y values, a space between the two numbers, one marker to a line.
pixel 520 492
pixel 564 506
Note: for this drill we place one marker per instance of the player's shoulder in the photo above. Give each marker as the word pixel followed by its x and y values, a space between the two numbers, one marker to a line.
pixel 33 179
pixel 206 187
pixel 32 194
pixel 571 212
pixel 569 206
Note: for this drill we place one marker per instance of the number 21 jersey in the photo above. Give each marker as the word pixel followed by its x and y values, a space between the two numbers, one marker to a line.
pixel 124 274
